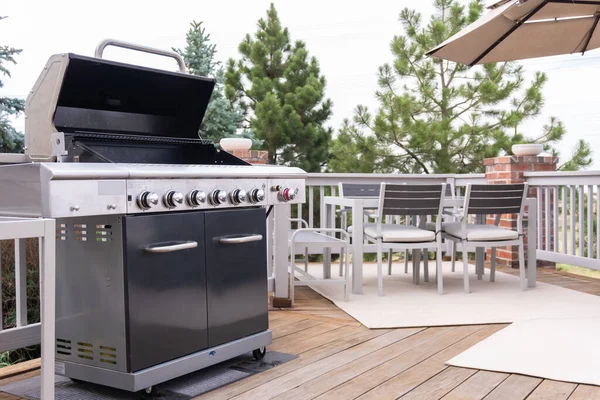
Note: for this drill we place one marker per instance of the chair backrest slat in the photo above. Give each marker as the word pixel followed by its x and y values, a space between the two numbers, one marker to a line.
pixel 411 199
pixel 496 199
pixel 359 189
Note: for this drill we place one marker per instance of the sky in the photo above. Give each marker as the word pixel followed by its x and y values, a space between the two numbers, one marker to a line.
pixel 349 39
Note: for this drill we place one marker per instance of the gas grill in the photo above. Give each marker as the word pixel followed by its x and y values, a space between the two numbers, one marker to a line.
pixel 161 237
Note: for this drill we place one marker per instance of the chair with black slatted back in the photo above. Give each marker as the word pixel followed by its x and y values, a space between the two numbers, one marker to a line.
pixel 490 200
pixel 407 200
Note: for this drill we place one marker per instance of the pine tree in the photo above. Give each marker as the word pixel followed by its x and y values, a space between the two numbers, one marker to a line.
pixel 436 116
pixel 11 141
pixel 222 118
pixel 281 92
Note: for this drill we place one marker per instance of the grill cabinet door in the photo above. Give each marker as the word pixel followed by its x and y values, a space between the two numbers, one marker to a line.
pixel 166 285
pixel 236 272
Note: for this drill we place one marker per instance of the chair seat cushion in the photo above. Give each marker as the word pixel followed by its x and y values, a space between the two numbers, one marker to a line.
pixel 400 233
pixel 430 226
pixel 481 233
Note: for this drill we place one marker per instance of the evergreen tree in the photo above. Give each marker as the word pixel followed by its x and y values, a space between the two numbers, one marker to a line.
pixel 436 116
pixel 281 92
pixel 11 141
pixel 222 118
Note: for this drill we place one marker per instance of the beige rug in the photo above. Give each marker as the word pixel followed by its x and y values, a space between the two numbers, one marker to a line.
pixel 407 305
pixel 563 349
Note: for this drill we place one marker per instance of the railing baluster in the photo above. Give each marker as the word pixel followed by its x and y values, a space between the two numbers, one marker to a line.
pixel 311 206
pixel 539 217
pixel 555 218
pixel 590 219
pixel 597 221
pixel 547 219
pixel 322 206
pixel 573 213
pixel 564 220
pixel 21 281
pixel 581 222
pixel 1 303
pixel 333 211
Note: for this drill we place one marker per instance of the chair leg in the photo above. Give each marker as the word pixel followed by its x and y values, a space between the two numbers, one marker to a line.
pixel 306 259
pixel 292 264
pixel 341 261
pixel 453 257
pixel 425 265
pixel 406 261
pixel 466 268
pixel 390 262
pixel 417 266
pixel 522 265
pixel 347 286
pixel 493 266
pixel 438 268
pixel 479 268
pixel 379 268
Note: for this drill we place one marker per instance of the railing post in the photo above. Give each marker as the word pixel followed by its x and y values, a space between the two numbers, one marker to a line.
pixel 511 169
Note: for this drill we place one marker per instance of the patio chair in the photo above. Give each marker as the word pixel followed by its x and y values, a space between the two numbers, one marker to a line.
pixel 408 200
pixel 313 241
pixel 490 200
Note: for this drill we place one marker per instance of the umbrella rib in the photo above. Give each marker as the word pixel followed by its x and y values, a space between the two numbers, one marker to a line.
pixel 509 32
pixel 587 41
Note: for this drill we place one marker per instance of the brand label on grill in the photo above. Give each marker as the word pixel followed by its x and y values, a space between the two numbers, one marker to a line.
pixel 111 188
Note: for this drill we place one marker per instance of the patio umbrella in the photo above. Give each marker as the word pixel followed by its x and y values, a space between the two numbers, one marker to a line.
pixel 521 29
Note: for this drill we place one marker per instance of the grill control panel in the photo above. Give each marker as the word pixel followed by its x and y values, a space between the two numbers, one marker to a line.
pixel 167 195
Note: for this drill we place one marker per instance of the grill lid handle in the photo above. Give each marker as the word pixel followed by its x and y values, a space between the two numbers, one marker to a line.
pixel 131 46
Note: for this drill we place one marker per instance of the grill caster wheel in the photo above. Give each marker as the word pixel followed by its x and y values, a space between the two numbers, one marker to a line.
pixel 150 390
pixel 259 354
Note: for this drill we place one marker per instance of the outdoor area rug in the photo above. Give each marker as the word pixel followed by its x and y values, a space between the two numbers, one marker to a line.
pixel 562 349
pixel 407 305
pixel 183 388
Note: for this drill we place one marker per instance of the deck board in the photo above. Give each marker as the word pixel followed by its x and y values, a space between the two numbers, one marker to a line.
pixel 338 358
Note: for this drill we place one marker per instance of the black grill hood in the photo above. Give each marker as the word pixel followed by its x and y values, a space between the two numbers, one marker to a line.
pixel 123 113
pixel 99 95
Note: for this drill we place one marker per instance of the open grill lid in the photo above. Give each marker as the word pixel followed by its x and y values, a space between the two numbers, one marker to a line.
pixel 99 95
pixel 89 109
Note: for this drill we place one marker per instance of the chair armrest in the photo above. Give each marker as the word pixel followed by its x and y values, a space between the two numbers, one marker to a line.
pixel 321 230
pixel 299 220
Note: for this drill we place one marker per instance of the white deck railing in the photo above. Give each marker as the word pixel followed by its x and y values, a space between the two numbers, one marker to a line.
pixel 24 334
pixel 568 218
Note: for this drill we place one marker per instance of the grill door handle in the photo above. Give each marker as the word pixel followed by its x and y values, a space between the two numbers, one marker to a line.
pixel 241 239
pixel 171 247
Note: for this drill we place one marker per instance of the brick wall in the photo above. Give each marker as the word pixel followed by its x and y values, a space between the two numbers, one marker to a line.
pixel 511 169
pixel 252 156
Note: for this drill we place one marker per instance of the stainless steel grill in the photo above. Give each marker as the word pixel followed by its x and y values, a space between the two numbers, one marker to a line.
pixel 161 237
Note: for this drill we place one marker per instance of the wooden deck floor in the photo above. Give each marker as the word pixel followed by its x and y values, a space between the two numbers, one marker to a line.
pixel 341 359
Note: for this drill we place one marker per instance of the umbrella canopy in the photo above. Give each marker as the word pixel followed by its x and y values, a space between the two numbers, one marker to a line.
pixel 521 29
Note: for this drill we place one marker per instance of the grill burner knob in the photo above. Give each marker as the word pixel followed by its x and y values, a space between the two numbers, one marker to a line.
pixel 257 195
pixel 146 200
pixel 217 197
pixel 238 196
pixel 172 199
pixel 287 194
pixel 196 197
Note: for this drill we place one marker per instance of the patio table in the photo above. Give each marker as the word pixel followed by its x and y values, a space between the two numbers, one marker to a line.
pixel 358 247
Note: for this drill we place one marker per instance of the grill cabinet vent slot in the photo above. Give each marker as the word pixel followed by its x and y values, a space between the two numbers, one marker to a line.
pixel 63 347
pixel 108 355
